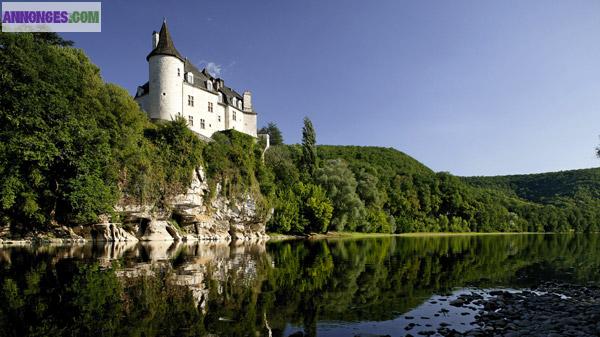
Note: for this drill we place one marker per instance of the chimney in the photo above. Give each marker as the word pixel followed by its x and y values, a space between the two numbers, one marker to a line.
pixel 247 101
pixel 154 40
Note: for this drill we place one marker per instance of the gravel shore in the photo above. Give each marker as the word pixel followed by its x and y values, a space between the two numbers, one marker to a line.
pixel 549 310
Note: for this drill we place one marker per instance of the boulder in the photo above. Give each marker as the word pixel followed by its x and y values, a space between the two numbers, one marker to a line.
pixel 160 230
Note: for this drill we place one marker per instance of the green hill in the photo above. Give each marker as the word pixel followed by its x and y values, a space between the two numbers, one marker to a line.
pixel 386 159
pixel 382 189
pixel 544 187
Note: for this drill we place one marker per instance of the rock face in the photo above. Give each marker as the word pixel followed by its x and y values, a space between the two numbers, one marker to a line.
pixel 110 232
pixel 221 218
pixel 160 230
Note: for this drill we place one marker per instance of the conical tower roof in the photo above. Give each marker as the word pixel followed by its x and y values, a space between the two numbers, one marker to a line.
pixel 165 44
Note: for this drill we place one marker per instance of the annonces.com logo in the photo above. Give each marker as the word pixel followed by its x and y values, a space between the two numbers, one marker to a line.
pixel 51 16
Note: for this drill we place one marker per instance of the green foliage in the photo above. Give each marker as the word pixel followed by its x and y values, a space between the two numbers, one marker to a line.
pixel 233 159
pixel 339 182
pixel 300 208
pixel 55 158
pixel 275 136
pixel 544 187
pixel 309 147
pixel 383 190
pixel 179 152
pixel 71 146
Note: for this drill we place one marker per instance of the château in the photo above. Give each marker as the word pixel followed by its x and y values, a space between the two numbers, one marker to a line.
pixel 177 88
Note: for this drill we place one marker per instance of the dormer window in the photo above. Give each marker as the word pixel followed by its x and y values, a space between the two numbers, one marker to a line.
pixel 220 98
pixel 190 78
pixel 239 104
pixel 209 85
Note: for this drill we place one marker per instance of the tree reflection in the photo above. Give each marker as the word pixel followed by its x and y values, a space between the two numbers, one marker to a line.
pixel 228 290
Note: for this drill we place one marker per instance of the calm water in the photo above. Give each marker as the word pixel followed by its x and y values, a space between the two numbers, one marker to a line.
pixel 322 288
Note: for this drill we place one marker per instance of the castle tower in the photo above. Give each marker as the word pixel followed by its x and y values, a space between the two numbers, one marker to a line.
pixel 166 71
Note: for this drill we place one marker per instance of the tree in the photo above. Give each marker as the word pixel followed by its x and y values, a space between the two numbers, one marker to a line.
pixel 72 146
pixel 309 147
pixel 52 38
pixel 275 136
pixel 340 185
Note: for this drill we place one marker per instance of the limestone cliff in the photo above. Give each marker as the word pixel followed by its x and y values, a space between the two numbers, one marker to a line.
pixel 194 215
pixel 198 218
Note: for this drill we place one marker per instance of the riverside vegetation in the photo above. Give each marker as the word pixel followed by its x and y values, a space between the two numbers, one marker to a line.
pixel 72 147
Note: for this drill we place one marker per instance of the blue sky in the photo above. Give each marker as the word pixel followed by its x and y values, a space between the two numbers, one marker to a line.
pixel 470 87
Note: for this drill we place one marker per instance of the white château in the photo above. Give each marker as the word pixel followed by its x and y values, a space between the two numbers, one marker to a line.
pixel 177 88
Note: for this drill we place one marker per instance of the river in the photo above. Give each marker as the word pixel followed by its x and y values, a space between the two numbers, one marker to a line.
pixel 328 287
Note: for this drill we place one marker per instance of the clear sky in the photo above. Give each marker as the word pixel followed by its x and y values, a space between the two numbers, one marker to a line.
pixel 470 87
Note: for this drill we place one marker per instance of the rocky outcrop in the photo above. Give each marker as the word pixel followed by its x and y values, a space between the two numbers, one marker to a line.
pixel 160 230
pixel 220 218
pixel 198 218
pixel 53 234
pixel 110 232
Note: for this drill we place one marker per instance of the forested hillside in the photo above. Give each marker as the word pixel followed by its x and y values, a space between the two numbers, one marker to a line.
pixel 545 187
pixel 376 189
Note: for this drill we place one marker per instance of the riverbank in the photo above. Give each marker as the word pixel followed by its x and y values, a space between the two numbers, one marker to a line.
pixel 275 237
pixel 358 235
pixel 550 309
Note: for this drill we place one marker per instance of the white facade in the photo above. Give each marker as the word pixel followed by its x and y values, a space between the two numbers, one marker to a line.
pixel 177 88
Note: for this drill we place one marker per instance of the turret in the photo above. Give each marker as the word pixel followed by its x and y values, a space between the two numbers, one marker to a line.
pixel 166 71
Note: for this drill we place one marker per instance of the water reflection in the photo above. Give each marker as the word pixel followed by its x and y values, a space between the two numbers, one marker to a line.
pixel 157 289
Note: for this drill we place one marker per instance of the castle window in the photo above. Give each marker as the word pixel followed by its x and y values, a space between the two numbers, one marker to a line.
pixel 191 120
pixel 209 85
pixel 178 72
pixel 190 100
pixel 219 118
pixel 233 116
pixel 202 125
pixel 210 107
pixel 190 78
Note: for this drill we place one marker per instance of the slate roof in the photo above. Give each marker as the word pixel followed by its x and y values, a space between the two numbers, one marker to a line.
pixel 165 44
pixel 201 77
